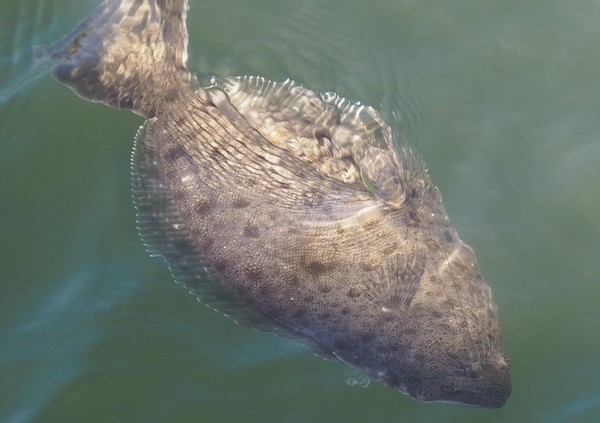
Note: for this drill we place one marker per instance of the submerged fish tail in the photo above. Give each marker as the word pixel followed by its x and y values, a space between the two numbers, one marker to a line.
pixel 129 54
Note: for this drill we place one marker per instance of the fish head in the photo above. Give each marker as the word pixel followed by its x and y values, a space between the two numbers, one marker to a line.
pixel 438 328
pixel 458 359
pixel 484 383
pixel 451 336
pixel 443 368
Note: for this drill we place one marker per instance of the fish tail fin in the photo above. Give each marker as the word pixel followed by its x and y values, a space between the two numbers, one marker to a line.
pixel 129 54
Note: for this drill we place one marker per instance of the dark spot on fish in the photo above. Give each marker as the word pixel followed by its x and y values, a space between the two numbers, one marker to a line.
pixel 240 203
pixel 207 244
pixel 324 315
pixel 203 206
pixel 175 153
pixel 264 290
pixel 432 243
pixel 292 231
pixel 367 267
pixel 253 275
pixel 448 236
pixel 250 182
pixel 171 95
pixel 316 269
pixel 395 347
pixel 299 313
pixel 353 293
pixel 390 249
pixel 447 328
pixel 251 231
pixel 180 121
pixel 370 225
pixel 437 314
pixel 309 299
pixel 76 44
pixel 293 281
pixel 414 193
pixel 321 137
pixel 216 153
pixel 324 289
pixel 413 216
pixel 345 311
pixel 220 266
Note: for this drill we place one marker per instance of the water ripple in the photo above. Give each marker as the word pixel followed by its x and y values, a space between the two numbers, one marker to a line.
pixel 317 45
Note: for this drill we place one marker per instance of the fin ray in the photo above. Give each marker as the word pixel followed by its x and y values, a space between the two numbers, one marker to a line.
pixel 398 281
pixel 347 140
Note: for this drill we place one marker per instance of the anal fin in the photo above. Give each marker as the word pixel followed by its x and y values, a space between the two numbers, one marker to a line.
pixel 165 234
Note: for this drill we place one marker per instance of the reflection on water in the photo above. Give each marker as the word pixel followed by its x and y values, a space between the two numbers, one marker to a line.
pixel 501 99
pixel 582 409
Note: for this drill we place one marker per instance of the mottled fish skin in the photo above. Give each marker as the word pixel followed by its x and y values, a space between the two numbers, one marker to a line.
pixel 291 211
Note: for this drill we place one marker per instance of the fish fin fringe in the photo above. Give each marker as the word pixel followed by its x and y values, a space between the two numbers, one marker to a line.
pixel 359 143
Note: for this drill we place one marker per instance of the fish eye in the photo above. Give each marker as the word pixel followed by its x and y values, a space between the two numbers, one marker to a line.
pixel 470 370
pixel 505 360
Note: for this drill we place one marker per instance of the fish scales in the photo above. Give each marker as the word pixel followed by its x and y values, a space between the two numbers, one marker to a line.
pixel 292 211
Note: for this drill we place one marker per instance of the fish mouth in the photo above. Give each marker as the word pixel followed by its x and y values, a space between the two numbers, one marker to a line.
pixel 490 389
pixel 494 396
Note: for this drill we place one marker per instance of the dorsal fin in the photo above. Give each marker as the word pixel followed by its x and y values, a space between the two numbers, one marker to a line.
pixel 345 140
pixel 129 54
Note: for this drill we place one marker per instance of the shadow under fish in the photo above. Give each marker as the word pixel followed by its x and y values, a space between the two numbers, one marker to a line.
pixel 292 211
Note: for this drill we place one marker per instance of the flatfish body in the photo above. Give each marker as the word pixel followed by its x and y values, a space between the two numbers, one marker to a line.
pixel 292 211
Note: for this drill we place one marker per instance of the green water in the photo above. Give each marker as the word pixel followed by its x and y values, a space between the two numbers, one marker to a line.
pixel 502 99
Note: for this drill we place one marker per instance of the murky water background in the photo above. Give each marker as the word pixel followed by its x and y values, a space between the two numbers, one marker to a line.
pixel 502 98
